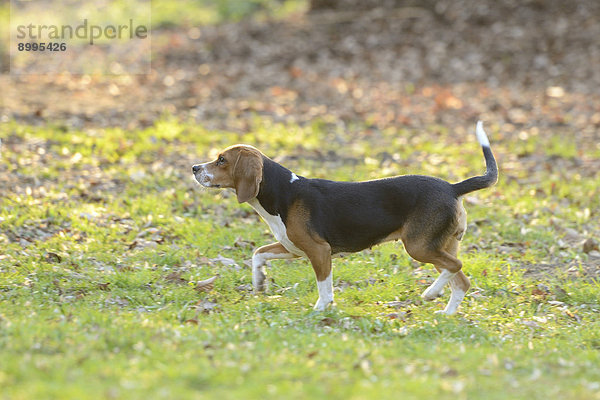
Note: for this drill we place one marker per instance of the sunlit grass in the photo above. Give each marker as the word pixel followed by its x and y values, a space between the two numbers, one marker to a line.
pixel 97 273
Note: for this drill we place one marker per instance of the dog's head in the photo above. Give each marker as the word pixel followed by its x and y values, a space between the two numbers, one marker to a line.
pixel 239 167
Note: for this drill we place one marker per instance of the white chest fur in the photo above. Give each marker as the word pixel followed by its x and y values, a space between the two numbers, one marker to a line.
pixel 277 227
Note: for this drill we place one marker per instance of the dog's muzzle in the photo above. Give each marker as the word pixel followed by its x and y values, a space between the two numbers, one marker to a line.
pixel 202 177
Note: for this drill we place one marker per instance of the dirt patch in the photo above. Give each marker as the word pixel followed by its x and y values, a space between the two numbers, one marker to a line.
pixel 589 269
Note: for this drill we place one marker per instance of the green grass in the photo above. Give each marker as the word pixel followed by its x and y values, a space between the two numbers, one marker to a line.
pixel 203 12
pixel 100 230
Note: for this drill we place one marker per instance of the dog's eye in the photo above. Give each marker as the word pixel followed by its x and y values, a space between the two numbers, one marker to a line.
pixel 220 160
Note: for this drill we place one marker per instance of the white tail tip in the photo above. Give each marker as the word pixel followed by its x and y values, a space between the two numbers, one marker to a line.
pixel 481 136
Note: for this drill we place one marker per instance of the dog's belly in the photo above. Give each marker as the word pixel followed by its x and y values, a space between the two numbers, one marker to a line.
pixel 359 242
pixel 353 234
pixel 277 228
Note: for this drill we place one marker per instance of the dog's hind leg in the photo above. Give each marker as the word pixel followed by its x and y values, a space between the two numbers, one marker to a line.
pixel 435 240
pixel 444 261
pixel 449 267
pixel 459 283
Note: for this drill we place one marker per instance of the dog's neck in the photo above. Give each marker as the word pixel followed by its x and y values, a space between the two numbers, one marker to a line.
pixel 277 187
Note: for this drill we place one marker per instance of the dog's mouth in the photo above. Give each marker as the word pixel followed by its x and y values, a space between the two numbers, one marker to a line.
pixel 204 178
pixel 207 184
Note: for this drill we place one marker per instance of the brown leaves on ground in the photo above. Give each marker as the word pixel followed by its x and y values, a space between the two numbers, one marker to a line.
pixel 225 261
pixel 33 231
pixel 516 63
pixel 206 306
pixel 205 285
pixel 150 237
pixel 52 257
pixel 590 245
pixel 176 277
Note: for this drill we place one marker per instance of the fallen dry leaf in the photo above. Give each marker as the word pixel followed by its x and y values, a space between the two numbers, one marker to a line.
pixel 228 262
pixel 399 303
pixel 52 257
pixel 538 292
pixel 244 288
pixel 312 354
pixel 531 324
pixel 176 278
pixel 206 285
pixel 239 242
pixel 590 245
pixel 572 315
pixel 142 244
pixel 206 306
pixel 397 315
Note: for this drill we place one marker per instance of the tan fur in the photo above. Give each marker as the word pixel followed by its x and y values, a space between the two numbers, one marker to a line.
pixel 460 279
pixel 273 248
pixel 423 241
pixel 393 236
pixel 317 249
pixel 242 170
pixel 247 174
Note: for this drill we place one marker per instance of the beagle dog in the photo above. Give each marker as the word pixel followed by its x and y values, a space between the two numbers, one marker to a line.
pixel 318 218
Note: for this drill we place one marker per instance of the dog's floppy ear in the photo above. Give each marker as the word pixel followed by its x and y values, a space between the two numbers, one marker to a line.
pixel 247 174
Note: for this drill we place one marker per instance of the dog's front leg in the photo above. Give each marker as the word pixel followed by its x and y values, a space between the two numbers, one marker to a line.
pixel 259 259
pixel 325 288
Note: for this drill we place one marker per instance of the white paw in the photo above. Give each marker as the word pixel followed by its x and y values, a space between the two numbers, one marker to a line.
pixel 430 294
pixel 321 305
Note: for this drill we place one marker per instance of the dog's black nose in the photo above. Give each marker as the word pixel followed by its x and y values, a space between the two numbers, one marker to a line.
pixel 195 168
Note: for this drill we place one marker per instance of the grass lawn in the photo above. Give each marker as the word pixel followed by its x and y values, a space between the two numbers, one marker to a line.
pixel 103 236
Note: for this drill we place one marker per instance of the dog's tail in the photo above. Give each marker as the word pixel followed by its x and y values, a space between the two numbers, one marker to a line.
pixel 491 173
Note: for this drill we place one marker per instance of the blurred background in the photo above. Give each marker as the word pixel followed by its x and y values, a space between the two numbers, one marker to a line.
pixel 384 63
